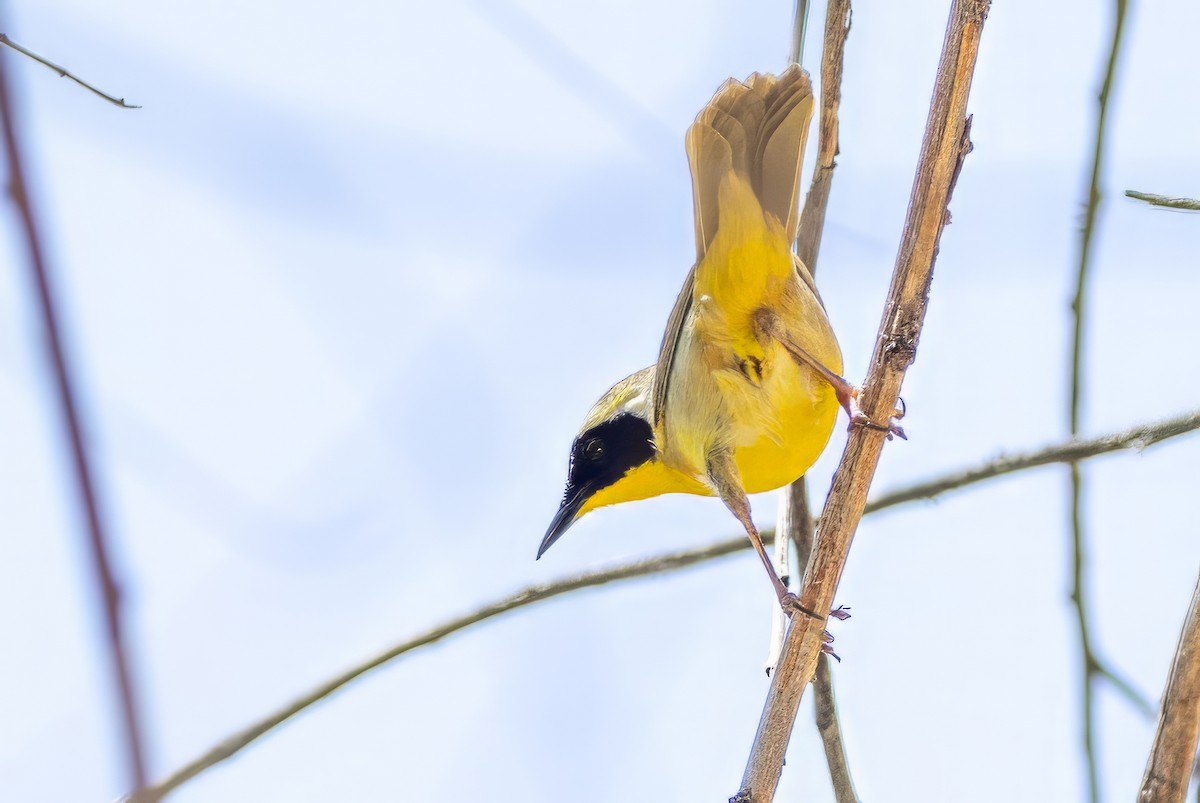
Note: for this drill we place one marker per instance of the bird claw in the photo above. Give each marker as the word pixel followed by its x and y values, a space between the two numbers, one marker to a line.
pixel 860 419
pixel 791 606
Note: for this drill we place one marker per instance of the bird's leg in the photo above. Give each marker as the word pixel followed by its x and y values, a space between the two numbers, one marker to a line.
pixel 723 474
pixel 847 393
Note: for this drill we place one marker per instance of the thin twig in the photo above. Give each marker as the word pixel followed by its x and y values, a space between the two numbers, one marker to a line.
pixel 1190 204
pixel 1074 450
pixel 1169 769
pixel 63 73
pixel 946 143
pixel 95 541
pixel 812 217
pixel 799 29
pixel 657 565
pixel 795 515
pixel 1091 667
pixel 1138 437
pixel 831 734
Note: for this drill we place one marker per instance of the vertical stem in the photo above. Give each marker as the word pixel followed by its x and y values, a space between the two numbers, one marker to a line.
pixel 1090 668
pixel 96 543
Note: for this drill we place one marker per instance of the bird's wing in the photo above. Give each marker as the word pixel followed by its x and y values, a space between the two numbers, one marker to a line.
pixel 666 353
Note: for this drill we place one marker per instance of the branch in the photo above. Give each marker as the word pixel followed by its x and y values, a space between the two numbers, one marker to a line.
pixel 794 517
pixel 1091 666
pixel 1071 451
pixel 63 73
pixel 1138 437
pixel 812 218
pixel 95 540
pixel 657 565
pixel 1190 204
pixel 1170 767
pixel 831 734
pixel 946 143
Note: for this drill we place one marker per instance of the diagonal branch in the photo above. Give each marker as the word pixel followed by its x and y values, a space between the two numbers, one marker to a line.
pixel 945 145
pixel 64 73
pixel 1091 666
pixel 1170 766
pixel 1138 437
pixel 95 540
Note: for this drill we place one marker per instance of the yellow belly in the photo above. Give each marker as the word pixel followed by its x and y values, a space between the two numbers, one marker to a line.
pixel 805 409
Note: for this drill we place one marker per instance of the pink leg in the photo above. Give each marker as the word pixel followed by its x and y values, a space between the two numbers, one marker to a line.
pixel 847 394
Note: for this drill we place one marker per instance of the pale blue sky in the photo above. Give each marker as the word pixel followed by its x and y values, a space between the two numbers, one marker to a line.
pixel 341 292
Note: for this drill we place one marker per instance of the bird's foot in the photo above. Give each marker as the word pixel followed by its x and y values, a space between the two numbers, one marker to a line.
pixel 791 605
pixel 849 401
pixel 827 647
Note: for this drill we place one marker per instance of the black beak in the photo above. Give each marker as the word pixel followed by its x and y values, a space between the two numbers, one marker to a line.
pixel 565 517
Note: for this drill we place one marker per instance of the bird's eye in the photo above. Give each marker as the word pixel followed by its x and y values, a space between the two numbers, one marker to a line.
pixel 593 449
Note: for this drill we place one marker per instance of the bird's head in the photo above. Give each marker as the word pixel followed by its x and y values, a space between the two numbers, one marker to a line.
pixel 614 457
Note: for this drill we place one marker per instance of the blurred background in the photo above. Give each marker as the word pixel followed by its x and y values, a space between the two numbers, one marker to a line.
pixel 339 295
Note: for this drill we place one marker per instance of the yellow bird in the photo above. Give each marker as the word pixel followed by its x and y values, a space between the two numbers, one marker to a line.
pixel 746 389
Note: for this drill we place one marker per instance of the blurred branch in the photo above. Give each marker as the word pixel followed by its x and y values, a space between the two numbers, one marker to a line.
pixel 1091 665
pixel 64 73
pixel 795 515
pixel 945 145
pixel 1162 200
pixel 831 734
pixel 812 218
pixel 656 565
pixel 1138 437
pixel 95 541
pixel 1171 759
pixel 799 29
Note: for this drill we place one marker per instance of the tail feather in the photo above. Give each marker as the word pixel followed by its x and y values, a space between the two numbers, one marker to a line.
pixel 756 128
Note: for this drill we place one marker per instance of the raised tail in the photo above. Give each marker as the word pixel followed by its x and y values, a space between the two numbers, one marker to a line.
pixel 757 129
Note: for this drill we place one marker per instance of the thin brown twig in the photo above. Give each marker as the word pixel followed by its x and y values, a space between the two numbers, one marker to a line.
pixel 795 515
pixel 825 712
pixel 1173 755
pixel 1091 667
pixel 946 143
pixel 64 73
pixel 812 217
pixel 96 542
pixel 1136 437
pixel 1187 204
pixel 528 596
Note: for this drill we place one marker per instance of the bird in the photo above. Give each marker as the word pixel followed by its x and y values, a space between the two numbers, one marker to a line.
pixel 746 390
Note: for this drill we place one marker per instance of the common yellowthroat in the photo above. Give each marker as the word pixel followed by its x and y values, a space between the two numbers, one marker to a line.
pixel 746 389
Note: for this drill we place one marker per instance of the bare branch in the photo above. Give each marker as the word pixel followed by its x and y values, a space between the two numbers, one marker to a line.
pixel 799 29
pixel 831 734
pixel 1170 767
pixel 63 73
pixel 233 744
pixel 1137 437
pixel 945 145
pixel 812 217
pixel 1090 665
pixel 1190 204
pixel 96 543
